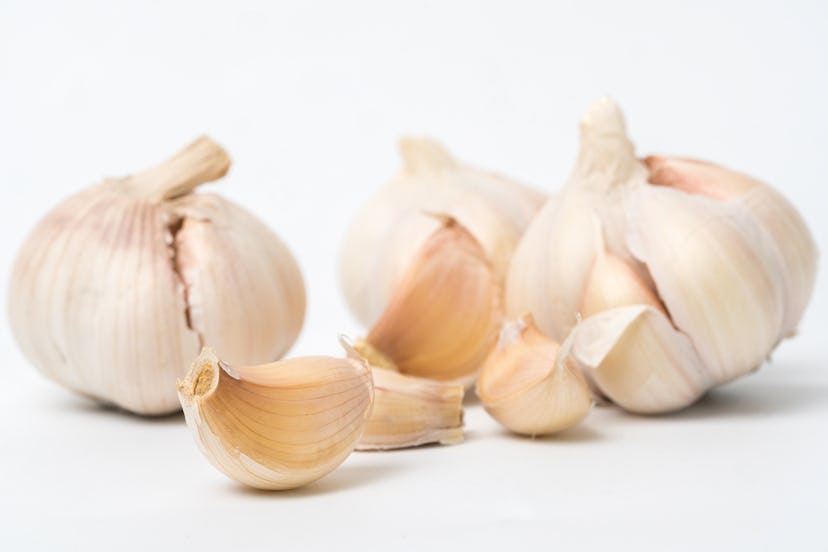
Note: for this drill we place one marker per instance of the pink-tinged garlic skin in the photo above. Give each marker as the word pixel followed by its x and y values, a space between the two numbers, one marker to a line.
pixel 119 285
pixel 785 227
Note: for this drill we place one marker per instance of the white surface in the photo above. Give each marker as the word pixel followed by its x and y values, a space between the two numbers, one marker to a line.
pixel 309 99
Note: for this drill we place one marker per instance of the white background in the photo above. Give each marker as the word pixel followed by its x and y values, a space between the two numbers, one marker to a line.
pixel 309 98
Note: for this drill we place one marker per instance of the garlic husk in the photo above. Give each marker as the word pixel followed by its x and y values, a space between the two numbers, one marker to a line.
pixel 280 425
pixel 117 288
pixel 444 315
pixel 410 411
pixel 704 247
pixel 389 230
pixel 638 360
pixel 530 384
pixel 716 273
pixel 785 227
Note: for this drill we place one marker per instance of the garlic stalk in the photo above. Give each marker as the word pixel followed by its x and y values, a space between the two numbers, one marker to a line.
pixel 409 412
pixel 279 425
pixel 444 315
pixel 718 265
pixel 530 384
pixel 389 230
pixel 121 284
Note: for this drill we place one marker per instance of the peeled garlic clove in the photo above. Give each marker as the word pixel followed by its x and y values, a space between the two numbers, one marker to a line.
pixel 716 273
pixel 792 241
pixel 530 385
pixel 279 425
pixel 388 231
pixel 119 285
pixel 444 316
pixel 638 360
pixel 409 412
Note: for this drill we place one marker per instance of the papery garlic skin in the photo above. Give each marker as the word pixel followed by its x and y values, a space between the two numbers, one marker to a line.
pixel 530 384
pixel 119 285
pixel 410 411
pixel 785 227
pixel 445 314
pixel 639 361
pixel 389 230
pixel 280 425
pixel 724 259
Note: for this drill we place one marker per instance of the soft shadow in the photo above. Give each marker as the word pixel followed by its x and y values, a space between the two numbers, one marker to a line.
pixel 470 398
pixel 578 434
pixel 341 479
pixel 85 406
pixel 756 399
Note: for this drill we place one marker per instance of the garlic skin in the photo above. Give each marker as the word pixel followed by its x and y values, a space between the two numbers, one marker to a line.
pixel 118 287
pixel 785 227
pixel 639 361
pixel 718 265
pixel 444 315
pixel 389 230
pixel 409 412
pixel 280 425
pixel 530 384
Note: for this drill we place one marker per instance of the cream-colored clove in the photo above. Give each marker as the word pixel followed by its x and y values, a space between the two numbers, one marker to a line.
pixel 410 411
pixel 445 314
pixel 279 425
pixel 530 384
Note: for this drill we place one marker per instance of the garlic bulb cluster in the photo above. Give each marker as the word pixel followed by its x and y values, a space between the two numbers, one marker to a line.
pixel 410 411
pixel 120 285
pixel 444 315
pixel 390 229
pixel 530 384
pixel 694 272
pixel 279 425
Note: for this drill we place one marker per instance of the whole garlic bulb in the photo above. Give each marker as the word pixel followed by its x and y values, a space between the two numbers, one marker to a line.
pixel 390 229
pixel 120 285
pixel 716 255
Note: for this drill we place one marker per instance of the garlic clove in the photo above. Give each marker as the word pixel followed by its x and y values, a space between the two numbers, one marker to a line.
pixel 786 228
pixel 279 425
pixel 410 411
pixel 444 316
pixel 613 283
pixel 551 264
pixel 716 272
pixel 530 385
pixel 389 230
pixel 258 291
pixel 638 360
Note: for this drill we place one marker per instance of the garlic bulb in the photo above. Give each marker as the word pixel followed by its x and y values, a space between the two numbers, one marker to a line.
pixel 121 284
pixel 444 315
pixel 409 412
pixel 279 425
pixel 530 384
pixel 390 229
pixel 720 266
